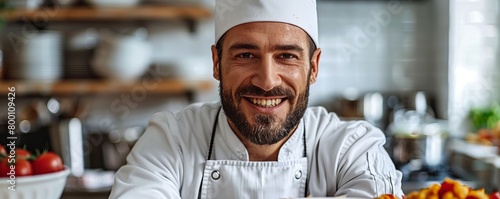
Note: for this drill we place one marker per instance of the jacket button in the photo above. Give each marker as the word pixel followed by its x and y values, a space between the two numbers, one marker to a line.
pixel 298 174
pixel 215 175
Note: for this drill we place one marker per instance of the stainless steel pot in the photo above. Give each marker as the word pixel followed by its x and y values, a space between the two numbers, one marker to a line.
pixel 420 150
pixel 418 143
pixel 109 150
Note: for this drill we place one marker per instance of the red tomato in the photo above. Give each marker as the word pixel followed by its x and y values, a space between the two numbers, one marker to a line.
pixel 23 154
pixel 22 167
pixel 4 168
pixel 495 195
pixel 47 163
pixel 446 186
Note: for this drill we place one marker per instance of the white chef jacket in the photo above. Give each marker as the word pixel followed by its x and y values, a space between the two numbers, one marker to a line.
pixel 345 158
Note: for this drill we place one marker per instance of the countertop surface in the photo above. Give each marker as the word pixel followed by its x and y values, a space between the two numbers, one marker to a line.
pixel 70 193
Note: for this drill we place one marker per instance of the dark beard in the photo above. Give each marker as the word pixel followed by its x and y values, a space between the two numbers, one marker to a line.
pixel 263 133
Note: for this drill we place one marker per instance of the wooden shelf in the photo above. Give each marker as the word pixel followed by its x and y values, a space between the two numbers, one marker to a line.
pixel 88 87
pixel 146 12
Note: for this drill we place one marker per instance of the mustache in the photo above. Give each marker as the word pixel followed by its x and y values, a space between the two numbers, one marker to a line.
pixel 254 90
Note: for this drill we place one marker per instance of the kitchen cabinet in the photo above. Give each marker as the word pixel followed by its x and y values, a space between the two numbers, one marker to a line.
pixel 188 13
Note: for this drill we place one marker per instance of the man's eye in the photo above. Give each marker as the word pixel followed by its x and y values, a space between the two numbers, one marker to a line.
pixel 287 56
pixel 245 55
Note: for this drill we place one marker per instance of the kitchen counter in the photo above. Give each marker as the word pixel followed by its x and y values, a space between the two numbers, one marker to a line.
pixel 86 194
pixel 465 164
pixel 476 161
pixel 407 186
pixel 458 169
pixel 94 184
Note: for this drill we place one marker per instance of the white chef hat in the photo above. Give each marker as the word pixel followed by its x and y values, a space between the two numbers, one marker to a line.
pixel 301 13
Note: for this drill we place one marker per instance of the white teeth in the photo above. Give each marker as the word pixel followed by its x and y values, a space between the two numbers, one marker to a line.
pixel 267 103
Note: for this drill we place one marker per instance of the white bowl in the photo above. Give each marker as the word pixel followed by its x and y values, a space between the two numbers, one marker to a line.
pixel 123 58
pixel 192 68
pixel 43 186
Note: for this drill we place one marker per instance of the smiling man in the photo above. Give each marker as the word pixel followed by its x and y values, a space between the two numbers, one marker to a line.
pixel 265 75
pixel 261 140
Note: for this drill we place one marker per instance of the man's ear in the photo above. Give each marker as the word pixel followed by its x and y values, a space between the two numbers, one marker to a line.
pixel 216 63
pixel 315 66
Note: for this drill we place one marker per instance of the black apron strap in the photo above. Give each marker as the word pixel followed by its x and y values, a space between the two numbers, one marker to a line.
pixel 213 135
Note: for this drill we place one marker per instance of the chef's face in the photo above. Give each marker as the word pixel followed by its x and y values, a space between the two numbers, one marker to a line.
pixel 265 70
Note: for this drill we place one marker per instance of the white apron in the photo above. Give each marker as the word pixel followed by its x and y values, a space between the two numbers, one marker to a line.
pixel 235 179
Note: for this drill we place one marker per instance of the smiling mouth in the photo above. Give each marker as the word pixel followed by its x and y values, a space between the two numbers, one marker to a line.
pixel 265 103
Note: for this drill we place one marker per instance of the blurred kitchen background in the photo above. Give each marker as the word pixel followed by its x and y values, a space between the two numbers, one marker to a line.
pixel 89 74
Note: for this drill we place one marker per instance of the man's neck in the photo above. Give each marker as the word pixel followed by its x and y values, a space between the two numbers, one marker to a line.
pixel 260 152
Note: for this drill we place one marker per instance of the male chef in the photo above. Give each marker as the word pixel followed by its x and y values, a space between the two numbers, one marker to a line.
pixel 261 140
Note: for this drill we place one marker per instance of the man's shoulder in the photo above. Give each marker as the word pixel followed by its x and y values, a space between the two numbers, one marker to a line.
pixel 199 109
pixel 191 112
pixel 190 122
pixel 319 120
pixel 320 112
pixel 328 124
pixel 197 115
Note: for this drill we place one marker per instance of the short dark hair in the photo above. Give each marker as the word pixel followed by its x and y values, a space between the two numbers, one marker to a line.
pixel 218 46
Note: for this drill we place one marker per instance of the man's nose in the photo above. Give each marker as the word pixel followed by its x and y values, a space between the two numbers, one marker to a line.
pixel 267 75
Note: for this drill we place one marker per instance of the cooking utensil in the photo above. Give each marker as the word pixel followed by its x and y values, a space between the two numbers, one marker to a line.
pixel 37 58
pixel 67 140
pixel 418 142
pixel 374 108
pixel 111 149
pixel 80 47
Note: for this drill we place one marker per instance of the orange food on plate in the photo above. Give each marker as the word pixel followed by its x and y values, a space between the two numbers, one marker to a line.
pixel 387 196
pixel 449 189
